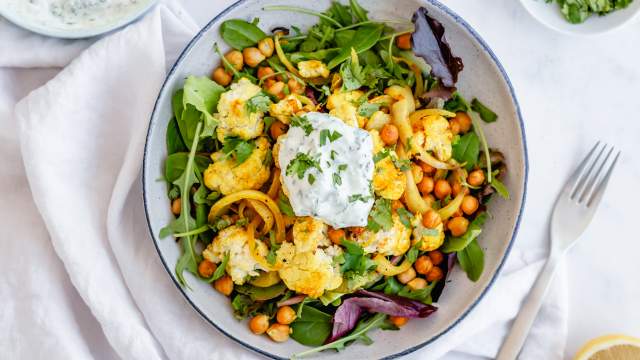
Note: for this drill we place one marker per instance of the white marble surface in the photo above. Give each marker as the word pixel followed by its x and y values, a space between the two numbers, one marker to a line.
pixel 573 91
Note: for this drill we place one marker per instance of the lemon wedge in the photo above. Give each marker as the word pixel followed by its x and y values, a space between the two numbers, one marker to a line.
pixel 610 347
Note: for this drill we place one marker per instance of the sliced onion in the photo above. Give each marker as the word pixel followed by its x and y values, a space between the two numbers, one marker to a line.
pixel 431 160
pixel 292 300
pixel 386 268
pixel 453 206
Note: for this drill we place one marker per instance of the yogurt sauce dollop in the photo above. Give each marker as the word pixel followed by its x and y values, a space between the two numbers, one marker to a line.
pixel 336 162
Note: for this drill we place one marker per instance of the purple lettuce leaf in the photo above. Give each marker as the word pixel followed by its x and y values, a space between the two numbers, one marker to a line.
pixel 429 43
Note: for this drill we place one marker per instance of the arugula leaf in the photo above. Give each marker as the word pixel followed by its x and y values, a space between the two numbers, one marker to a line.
pixel 358 12
pixel 340 13
pixel 405 217
pixel 301 163
pixel 175 164
pixel 365 325
pixel 220 270
pixel 258 103
pixel 302 122
pixel 456 104
pixel 473 231
pixel 471 260
pixel 312 327
pixel 284 205
pixel 380 216
pixel 240 34
pixel 363 39
pixel 240 149
pixel 500 188
pixel 467 150
pixel 485 113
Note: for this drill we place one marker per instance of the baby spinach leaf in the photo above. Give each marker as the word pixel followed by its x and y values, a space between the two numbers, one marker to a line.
pixel 262 293
pixel 312 327
pixel 176 163
pixel 240 34
pixel 355 260
pixel 358 12
pixel 471 260
pixel 364 39
pixel 203 93
pixel 485 113
pixel 321 55
pixel 343 38
pixel 174 139
pixel 500 188
pixel 454 244
pixel 467 150
pixel 423 295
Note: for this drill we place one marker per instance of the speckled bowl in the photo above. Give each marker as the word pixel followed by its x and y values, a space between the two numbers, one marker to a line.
pixel 483 76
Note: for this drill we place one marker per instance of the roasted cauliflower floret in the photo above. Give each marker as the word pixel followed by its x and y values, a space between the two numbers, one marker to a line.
pixel 431 238
pixel 234 117
pixel 313 68
pixel 308 272
pixel 309 233
pixel 233 240
pixel 226 176
pixel 378 120
pixel 342 105
pixel 285 108
pixel 432 133
pixel 395 241
pixel 388 181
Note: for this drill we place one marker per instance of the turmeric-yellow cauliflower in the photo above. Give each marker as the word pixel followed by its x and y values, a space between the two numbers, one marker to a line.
pixel 234 117
pixel 233 240
pixel 313 68
pixel 309 233
pixel 395 241
pixel 388 181
pixel 432 133
pixel 342 105
pixel 308 272
pixel 431 238
pixel 226 176
pixel 285 108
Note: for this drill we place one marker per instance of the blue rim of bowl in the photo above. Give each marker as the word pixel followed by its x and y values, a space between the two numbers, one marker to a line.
pixel 80 33
pixel 504 75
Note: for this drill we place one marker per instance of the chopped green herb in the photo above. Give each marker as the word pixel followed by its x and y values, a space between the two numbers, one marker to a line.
pixel 337 180
pixel 333 154
pixel 326 134
pixel 302 122
pixel 342 167
pixel 301 163
pixel 485 113
pixel 258 103
pixel 380 216
pixel 284 205
pixel 359 197
pixel 273 248
pixel 240 149
pixel 405 217
pixel 311 179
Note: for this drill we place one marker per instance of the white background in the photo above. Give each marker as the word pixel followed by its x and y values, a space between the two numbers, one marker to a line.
pixel 573 91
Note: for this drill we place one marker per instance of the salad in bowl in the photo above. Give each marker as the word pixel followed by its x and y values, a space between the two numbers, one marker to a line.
pixel 327 181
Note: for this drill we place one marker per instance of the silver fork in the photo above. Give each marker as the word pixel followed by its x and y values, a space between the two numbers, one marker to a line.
pixel 573 211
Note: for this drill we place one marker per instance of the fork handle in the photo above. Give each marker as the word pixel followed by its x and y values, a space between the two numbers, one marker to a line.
pixel 512 345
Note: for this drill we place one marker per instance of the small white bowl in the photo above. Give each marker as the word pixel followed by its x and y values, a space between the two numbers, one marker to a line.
pixel 24 21
pixel 549 14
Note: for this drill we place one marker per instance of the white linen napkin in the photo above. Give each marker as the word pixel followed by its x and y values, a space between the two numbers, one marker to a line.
pixel 82 136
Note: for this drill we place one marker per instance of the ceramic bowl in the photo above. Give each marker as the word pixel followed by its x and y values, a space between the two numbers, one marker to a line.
pixel 25 21
pixel 483 77
pixel 550 15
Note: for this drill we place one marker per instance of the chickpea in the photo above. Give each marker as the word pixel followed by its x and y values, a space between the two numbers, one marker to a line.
pixel 221 76
pixel 389 134
pixel 224 285
pixel 264 71
pixel 206 268
pixel 276 89
pixel 427 169
pixel 176 206
pixel 396 204
pixel 252 56
pixel 431 219
pixel 456 187
pixel 429 200
pixel 457 213
pixel 277 128
pixel 417 173
pixel 417 284
pixel 423 265
pixel 426 185
pixel 435 274
pixel 464 121
pixel 357 230
pixel 268 83
pixel 469 204
pixel 407 276
pixel 295 87
pixel 398 320
pixel 336 235
pixel 259 324
pixel 234 57
pixel 285 315
pixel 436 257
pixel 458 225
pixel 266 46
pixel 475 178
pixel 442 189
pixel 404 42
pixel 279 332
pixel 454 125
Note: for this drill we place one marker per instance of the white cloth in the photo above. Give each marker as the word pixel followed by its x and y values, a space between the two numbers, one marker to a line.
pixel 81 278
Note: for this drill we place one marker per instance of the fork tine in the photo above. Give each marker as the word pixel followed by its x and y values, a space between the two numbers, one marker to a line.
pixel 573 179
pixel 585 174
pixel 596 196
pixel 591 182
